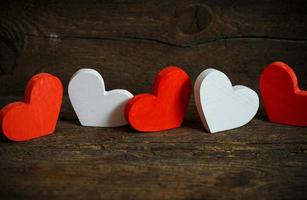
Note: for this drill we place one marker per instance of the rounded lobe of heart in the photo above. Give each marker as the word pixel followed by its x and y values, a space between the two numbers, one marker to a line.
pixel 165 108
pixel 38 114
pixel 93 105
pixel 284 102
pixel 222 106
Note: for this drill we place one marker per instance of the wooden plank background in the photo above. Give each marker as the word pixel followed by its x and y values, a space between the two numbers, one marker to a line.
pixel 128 42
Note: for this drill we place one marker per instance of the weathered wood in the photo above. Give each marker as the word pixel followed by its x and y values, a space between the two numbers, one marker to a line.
pixel 137 38
pixel 136 63
pixel 258 161
pixel 186 163
pixel 164 21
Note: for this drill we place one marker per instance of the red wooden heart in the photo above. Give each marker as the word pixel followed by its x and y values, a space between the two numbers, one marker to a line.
pixel 38 114
pixel 284 102
pixel 165 108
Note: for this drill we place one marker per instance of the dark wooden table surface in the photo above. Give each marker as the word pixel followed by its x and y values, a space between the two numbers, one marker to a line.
pixel 128 42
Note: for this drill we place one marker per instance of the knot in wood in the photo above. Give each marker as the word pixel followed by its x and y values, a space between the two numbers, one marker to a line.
pixel 193 19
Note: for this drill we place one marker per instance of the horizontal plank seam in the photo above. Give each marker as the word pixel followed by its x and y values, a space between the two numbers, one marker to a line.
pixel 131 38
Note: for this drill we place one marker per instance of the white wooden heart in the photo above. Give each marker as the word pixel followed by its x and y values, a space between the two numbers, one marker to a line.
pixel 222 106
pixel 94 105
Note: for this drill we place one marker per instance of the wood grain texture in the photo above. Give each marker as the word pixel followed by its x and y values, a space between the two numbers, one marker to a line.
pixel 138 38
pixel 258 161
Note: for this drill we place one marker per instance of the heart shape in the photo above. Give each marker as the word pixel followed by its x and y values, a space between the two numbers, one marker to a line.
pixel 94 105
pixel 38 114
pixel 165 108
pixel 284 102
pixel 222 106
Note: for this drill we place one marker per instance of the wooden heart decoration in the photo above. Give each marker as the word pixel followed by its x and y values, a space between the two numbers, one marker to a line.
pixel 222 106
pixel 165 108
pixel 284 101
pixel 38 114
pixel 94 105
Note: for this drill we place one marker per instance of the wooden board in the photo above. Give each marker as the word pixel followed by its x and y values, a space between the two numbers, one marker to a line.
pixel 259 161
pixel 138 38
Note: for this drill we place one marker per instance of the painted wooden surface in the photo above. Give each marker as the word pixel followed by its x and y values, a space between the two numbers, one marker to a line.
pixel 284 101
pixel 36 114
pixel 94 106
pixel 257 161
pixel 220 105
pixel 166 106
pixel 138 38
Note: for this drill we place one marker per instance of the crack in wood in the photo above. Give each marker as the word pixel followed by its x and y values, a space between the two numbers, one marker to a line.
pixel 199 43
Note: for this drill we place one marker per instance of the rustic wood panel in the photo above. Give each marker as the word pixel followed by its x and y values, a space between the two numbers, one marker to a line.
pixel 138 38
pixel 133 65
pixel 259 161
pixel 128 42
